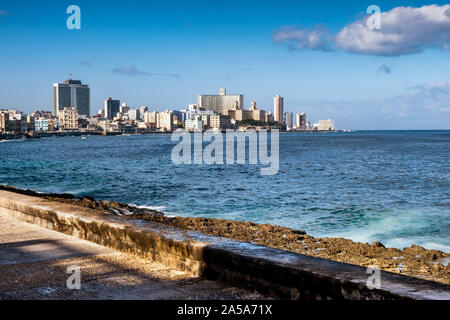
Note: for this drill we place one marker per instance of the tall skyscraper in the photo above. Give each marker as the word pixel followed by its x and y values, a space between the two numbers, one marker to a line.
pixel 71 94
pixel 301 121
pixel 112 107
pixel 288 119
pixel 278 104
pixel 220 102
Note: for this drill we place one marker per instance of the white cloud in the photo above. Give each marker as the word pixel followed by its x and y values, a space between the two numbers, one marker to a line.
pixel 133 71
pixel 404 30
pixel 303 38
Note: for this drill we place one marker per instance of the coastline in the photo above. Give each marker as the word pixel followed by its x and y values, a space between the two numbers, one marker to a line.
pixel 414 261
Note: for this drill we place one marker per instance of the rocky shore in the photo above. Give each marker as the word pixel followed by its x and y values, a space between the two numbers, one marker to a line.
pixel 414 261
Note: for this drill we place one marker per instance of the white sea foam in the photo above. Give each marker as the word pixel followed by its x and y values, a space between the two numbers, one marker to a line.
pixel 396 223
pixel 155 208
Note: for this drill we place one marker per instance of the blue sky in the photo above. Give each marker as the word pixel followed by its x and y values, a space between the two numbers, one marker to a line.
pixel 163 53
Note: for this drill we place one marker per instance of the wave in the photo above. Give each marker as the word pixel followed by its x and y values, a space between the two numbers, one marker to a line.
pixel 400 229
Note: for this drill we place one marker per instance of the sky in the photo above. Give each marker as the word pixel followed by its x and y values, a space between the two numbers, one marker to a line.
pixel 319 55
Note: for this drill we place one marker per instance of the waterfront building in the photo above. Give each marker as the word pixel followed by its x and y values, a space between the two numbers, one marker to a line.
pixel 269 117
pixel 142 111
pixel 256 114
pixel 124 108
pixel 195 124
pixel 195 111
pixel 301 121
pixel 181 115
pixel 287 119
pixel 221 102
pixel 13 121
pixel 134 114
pixel 324 125
pixel 30 123
pixel 73 94
pixel 41 125
pixel 112 108
pixel 42 114
pixel 151 118
pixel 165 121
pixel 4 118
pixel 45 125
pixel 219 121
pixel 278 105
pixel 68 119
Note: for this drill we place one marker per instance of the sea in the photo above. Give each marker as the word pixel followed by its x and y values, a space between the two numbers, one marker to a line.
pixel 388 186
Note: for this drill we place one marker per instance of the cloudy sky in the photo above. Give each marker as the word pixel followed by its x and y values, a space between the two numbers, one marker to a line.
pixel 320 56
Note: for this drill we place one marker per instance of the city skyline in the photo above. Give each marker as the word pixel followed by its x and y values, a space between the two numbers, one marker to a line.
pixel 160 57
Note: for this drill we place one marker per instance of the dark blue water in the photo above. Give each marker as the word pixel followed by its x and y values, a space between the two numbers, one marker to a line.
pixel 392 187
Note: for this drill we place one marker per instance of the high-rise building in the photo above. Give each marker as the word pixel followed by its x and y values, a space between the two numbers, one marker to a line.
pixel 165 121
pixel 221 102
pixel 278 105
pixel 287 119
pixel 112 107
pixel 71 94
pixel 124 108
pixel 134 114
pixel 301 121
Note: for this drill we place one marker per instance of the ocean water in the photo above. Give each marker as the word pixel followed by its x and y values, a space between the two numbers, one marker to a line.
pixel 388 186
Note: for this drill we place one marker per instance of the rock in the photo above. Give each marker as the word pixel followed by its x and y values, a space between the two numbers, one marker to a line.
pixel 378 244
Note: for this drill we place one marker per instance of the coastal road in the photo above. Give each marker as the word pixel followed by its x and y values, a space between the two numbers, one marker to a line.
pixel 36 263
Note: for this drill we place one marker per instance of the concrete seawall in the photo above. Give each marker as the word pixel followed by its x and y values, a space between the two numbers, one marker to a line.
pixel 279 273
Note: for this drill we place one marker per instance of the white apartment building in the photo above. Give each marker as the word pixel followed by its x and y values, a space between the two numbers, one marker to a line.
pixel 68 119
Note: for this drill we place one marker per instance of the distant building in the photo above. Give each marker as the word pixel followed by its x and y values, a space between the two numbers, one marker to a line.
pixel 68 119
pixel 42 114
pixel 4 118
pixel 301 121
pixel 165 121
pixel 278 106
pixel 142 111
pixel 72 94
pixel 151 118
pixel 257 115
pixel 30 123
pixel 219 121
pixel 287 119
pixel 324 125
pixel 181 115
pixel 238 114
pixel 269 117
pixel 221 102
pixel 13 121
pixel 134 114
pixel 45 125
pixel 194 124
pixel 124 108
pixel 112 108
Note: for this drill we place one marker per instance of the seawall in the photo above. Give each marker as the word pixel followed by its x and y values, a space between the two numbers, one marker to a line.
pixel 279 273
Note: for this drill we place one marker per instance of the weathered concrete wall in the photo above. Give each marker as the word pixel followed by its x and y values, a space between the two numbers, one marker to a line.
pixel 279 273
